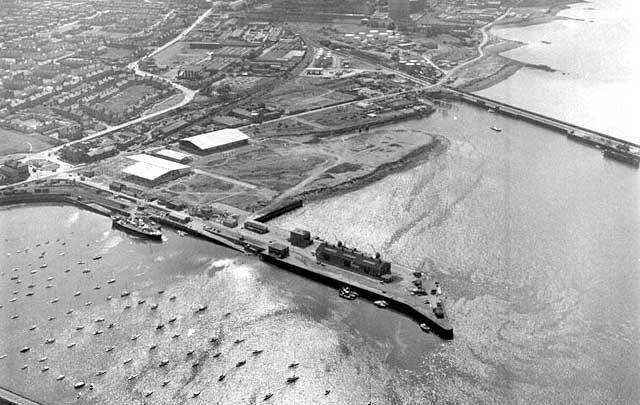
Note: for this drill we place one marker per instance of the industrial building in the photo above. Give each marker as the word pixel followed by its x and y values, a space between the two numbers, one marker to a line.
pixel 353 260
pixel 151 170
pixel 216 141
pixel 300 238
pixel 173 156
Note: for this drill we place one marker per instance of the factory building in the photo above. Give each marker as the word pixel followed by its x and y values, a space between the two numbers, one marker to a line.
pixel 216 141
pixel 353 260
pixel 173 156
pixel 300 238
pixel 151 170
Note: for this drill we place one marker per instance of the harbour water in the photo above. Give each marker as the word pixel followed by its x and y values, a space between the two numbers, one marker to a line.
pixel 346 348
pixel 594 52
pixel 534 237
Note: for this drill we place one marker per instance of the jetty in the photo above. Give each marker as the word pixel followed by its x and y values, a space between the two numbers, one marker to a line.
pixel 405 290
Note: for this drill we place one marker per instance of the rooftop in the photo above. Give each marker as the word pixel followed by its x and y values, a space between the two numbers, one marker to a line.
pixel 151 167
pixel 172 154
pixel 216 138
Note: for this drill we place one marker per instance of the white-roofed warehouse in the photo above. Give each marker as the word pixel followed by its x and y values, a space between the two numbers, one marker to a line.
pixel 216 141
pixel 173 155
pixel 150 170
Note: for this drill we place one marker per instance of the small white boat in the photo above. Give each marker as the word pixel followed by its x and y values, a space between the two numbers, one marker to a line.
pixel 50 341
pixel 70 345
pixel 109 349
pixel 127 361
pixel 496 129
pixel 60 377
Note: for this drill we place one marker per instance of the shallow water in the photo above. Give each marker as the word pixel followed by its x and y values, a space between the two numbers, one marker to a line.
pixel 594 53
pixel 536 240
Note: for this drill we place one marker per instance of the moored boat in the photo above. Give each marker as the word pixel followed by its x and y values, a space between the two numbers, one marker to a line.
pixel 137 225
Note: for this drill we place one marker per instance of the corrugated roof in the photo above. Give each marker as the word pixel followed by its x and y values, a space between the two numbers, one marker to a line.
pixel 145 171
pixel 150 167
pixel 172 154
pixel 158 162
pixel 216 138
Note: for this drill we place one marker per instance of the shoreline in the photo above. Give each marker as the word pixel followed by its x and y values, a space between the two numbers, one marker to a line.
pixel 416 157
pixel 551 16
pixel 512 66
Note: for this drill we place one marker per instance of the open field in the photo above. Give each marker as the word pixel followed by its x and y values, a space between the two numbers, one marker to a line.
pixel 16 142
pixel 130 96
pixel 177 56
pixel 275 168
pixel 301 96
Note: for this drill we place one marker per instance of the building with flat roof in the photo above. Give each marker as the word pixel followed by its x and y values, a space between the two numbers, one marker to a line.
pixel 151 170
pixel 173 155
pixel 216 141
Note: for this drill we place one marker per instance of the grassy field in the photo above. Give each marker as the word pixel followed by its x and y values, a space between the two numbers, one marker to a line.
pixel 267 167
pixel 130 96
pixel 16 142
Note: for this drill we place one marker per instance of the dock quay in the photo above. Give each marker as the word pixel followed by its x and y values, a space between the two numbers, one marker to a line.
pixel 402 289
pixel 612 147
pixel 12 398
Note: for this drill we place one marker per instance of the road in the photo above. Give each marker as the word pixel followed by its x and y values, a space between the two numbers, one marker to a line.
pixel 188 96
pixel 225 178
pixel 483 43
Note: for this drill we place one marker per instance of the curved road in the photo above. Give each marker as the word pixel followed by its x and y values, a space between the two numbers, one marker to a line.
pixel 188 96
pixel 485 39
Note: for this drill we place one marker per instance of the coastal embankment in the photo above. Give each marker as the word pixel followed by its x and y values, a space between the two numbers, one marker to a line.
pixel 418 156
pixel 493 67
